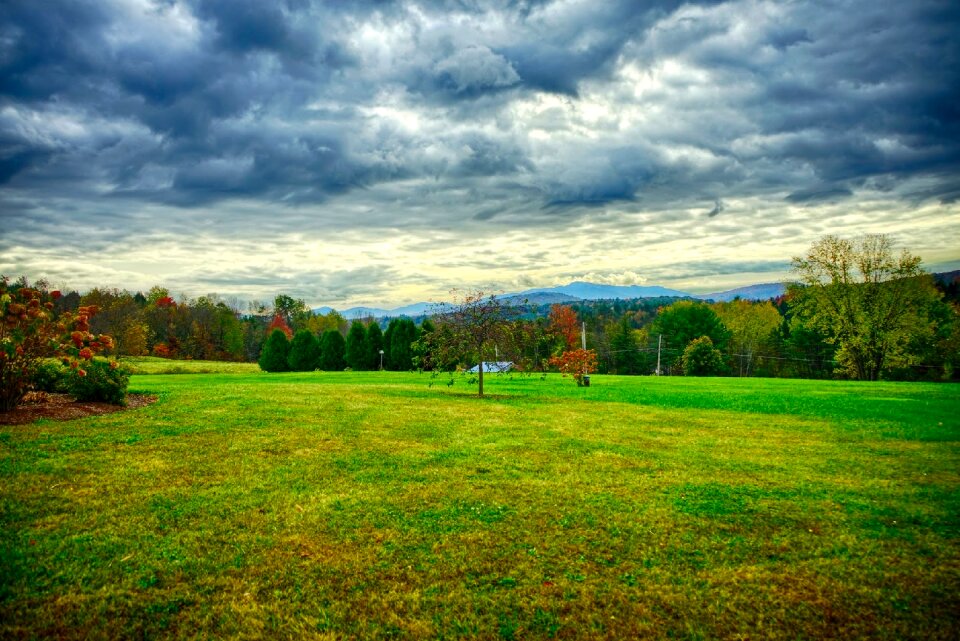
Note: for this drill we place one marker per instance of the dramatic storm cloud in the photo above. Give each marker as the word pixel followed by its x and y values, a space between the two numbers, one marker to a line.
pixel 384 152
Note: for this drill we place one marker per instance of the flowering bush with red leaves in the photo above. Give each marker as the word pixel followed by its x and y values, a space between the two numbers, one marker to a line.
pixel 577 363
pixel 30 331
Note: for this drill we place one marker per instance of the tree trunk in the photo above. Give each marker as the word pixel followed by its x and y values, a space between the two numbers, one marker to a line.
pixel 481 376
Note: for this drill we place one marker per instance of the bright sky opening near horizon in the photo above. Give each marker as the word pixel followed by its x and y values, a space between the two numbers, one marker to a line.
pixel 378 152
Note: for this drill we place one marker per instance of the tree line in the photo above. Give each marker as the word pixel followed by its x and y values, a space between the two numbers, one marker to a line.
pixel 855 309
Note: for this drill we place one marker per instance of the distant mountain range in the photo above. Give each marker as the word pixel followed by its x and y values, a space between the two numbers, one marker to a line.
pixel 580 291
pixel 593 291
pixel 571 293
pixel 763 291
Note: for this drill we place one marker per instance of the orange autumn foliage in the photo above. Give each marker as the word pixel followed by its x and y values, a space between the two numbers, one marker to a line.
pixel 577 363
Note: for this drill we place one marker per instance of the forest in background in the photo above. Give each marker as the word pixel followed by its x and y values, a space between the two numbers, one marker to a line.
pixel 755 338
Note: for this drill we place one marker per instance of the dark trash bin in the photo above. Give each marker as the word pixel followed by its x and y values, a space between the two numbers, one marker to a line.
pixel 586 380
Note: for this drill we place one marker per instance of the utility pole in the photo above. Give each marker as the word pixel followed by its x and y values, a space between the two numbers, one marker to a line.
pixel 583 341
pixel 659 344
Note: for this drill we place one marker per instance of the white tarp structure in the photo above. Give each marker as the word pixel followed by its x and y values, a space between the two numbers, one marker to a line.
pixel 492 366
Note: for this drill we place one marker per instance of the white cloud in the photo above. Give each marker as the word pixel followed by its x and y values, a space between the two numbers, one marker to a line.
pixel 477 67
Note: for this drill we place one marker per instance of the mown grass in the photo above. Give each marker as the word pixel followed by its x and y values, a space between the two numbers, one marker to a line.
pixel 154 365
pixel 375 505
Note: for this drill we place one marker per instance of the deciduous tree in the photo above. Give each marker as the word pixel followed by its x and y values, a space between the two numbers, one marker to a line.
pixel 750 325
pixel 576 363
pixel 564 326
pixel 870 302
pixel 469 330
pixel 701 358
pixel 280 323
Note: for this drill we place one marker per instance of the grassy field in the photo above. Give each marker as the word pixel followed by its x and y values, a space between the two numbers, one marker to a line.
pixel 375 505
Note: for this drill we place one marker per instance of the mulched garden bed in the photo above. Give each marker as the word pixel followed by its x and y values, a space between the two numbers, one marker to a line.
pixel 63 407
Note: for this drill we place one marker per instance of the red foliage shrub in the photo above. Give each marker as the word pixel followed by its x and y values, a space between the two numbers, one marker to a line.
pixel 577 363
pixel 30 332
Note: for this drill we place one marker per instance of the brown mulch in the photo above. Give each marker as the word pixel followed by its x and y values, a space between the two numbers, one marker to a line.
pixel 63 407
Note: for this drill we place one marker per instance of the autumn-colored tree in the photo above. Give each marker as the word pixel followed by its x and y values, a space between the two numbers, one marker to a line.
pixel 278 322
pixel 750 325
pixel 564 326
pixel 165 323
pixel 119 316
pixel 320 323
pixel 576 363
pixel 30 332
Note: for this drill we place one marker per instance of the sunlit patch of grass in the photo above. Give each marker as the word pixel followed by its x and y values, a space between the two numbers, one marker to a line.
pixel 374 505
pixel 155 365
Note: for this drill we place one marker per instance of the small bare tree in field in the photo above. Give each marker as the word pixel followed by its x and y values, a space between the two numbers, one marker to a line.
pixel 473 327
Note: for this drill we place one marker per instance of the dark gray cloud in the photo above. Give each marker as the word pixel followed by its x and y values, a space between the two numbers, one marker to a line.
pixel 243 119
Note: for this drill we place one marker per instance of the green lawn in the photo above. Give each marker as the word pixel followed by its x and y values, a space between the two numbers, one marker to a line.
pixel 376 505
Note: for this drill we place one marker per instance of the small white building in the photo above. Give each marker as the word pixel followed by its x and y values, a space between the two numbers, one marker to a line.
pixel 496 367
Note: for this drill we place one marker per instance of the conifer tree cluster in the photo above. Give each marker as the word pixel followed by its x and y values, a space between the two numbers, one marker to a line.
pixel 359 351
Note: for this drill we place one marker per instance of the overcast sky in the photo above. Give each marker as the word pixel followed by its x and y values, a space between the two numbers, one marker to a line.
pixel 386 152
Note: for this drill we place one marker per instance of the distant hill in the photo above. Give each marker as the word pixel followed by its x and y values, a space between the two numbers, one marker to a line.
pixel 580 290
pixel 948 277
pixel 539 298
pixel 762 291
pixel 571 293
pixel 594 291
pixel 352 313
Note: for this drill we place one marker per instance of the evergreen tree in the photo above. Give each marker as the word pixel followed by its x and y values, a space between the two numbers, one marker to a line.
pixel 373 345
pixel 683 322
pixel 388 344
pixel 356 355
pixel 332 351
pixel 273 357
pixel 624 349
pixel 401 345
pixel 421 348
pixel 304 352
